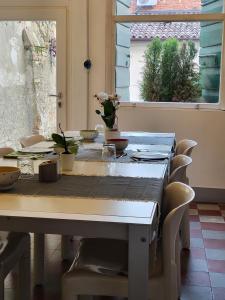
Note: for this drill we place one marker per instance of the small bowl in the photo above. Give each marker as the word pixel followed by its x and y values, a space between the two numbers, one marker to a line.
pixel 89 135
pixel 8 176
pixel 120 144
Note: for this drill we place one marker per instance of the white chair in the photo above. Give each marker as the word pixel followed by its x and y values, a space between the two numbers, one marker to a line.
pixel 185 147
pixel 17 251
pixel 30 140
pixel 5 150
pixel 179 166
pixel 100 268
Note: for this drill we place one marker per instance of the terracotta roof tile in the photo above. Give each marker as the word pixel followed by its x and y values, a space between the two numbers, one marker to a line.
pixel 165 30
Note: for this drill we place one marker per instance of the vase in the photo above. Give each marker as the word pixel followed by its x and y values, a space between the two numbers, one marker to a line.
pixel 67 160
pixel 111 134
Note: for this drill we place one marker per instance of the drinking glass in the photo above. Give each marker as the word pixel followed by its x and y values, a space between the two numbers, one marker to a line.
pixel 26 166
pixel 100 128
pixel 108 152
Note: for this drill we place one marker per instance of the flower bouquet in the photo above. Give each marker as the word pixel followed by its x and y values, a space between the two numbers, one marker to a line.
pixel 110 104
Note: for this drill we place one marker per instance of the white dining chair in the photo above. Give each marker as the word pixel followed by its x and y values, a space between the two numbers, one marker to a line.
pixel 179 166
pixel 185 147
pixel 5 150
pixel 100 266
pixel 30 140
pixel 17 251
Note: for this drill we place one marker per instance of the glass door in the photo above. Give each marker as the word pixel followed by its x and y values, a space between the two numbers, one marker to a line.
pixel 32 72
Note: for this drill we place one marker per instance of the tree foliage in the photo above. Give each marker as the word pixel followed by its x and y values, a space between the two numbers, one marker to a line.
pixel 169 72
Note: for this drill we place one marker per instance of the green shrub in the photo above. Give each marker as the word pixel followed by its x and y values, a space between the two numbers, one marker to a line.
pixel 169 72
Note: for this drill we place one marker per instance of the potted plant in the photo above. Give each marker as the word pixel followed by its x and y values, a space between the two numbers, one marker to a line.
pixel 66 148
pixel 110 104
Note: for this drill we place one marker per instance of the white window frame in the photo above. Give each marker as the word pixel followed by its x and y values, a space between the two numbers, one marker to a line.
pixel 167 18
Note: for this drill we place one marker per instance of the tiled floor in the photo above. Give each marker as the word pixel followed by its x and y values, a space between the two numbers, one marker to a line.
pixel 203 268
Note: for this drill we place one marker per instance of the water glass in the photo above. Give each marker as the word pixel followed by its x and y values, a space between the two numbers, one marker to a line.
pixel 108 152
pixel 26 166
pixel 100 128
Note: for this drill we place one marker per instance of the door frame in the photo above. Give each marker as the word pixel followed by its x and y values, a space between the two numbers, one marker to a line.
pixel 76 87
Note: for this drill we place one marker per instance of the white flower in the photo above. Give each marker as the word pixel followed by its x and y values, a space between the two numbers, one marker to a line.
pixel 102 96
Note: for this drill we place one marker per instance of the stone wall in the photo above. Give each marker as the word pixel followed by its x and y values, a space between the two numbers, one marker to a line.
pixel 27 77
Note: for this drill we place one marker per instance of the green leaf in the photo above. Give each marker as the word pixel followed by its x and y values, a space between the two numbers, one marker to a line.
pixel 58 139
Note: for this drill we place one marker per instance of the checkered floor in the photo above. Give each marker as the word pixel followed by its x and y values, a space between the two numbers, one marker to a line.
pixel 203 268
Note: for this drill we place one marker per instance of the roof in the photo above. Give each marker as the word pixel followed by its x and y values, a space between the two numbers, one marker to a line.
pixel 165 30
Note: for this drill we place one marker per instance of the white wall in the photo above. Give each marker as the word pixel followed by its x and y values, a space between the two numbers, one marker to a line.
pixel 207 127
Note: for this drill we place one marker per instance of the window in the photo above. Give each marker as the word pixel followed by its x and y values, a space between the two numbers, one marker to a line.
pixel 170 52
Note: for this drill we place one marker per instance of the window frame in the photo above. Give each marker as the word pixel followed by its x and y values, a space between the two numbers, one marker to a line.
pixel 110 77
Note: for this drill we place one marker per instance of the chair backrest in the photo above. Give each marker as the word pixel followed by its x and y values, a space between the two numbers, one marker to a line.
pixel 185 147
pixel 179 166
pixel 177 197
pixel 5 150
pixel 30 140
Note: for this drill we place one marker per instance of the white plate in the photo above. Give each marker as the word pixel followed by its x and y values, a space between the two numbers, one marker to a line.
pixel 149 155
pixel 35 150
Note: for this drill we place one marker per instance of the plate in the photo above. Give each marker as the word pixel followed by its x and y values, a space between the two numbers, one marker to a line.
pixel 149 155
pixel 35 150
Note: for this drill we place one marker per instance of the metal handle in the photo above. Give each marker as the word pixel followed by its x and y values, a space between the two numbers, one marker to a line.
pixel 59 97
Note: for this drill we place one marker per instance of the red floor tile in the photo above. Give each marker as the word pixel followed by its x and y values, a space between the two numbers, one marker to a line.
pixel 213 226
pixel 218 293
pixel 217 266
pixel 196 278
pixel 214 244
pixel 197 253
pixel 194 218
pixel 222 206
pixel 193 205
pixel 196 233
pixel 210 212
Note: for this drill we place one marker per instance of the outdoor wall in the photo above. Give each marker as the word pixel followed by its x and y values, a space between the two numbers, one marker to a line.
pixel 207 127
pixel 27 76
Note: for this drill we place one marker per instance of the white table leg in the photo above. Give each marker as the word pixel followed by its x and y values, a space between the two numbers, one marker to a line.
pixel 138 268
pixel 39 258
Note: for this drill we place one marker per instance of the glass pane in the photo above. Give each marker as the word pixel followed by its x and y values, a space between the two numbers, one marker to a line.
pixel 27 77
pixel 149 7
pixel 169 61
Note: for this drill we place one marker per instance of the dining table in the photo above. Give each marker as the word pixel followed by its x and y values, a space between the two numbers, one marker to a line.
pixel 118 199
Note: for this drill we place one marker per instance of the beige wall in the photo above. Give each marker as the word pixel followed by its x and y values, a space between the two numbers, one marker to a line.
pixel 207 127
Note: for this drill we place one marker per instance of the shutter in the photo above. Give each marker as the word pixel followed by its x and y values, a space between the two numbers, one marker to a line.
pixel 210 52
pixel 122 68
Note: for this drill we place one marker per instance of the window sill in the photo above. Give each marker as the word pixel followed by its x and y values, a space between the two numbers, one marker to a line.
pixel 171 106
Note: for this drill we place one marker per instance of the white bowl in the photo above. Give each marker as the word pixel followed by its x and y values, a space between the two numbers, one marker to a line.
pixel 89 135
pixel 8 176
pixel 120 144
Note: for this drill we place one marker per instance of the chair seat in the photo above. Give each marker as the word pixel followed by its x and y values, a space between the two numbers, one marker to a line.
pixel 109 257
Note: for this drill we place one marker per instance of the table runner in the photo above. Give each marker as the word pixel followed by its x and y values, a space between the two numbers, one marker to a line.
pixel 147 140
pixel 109 187
pixel 96 155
